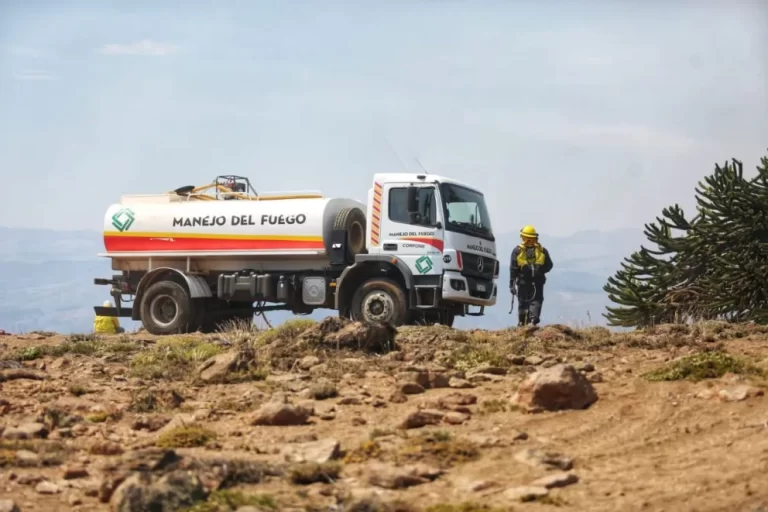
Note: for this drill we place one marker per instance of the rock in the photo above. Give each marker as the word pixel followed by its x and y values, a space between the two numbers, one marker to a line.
pixel 219 366
pixel 488 370
pixel 107 448
pixel 400 477
pixel 517 360
pixel 586 367
pixel 455 418
pixel 475 485
pixel 457 383
pixel 74 500
pixel 416 376
pixel 739 393
pixel 280 414
pixel 26 431
pixel 362 336
pixel 398 397
pixel 150 423
pixel 8 506
pixel 422 418
pixel 73 472
pixel 595 378
pixel 519 435
pixel 27 458
pixel 539 458
pixel 319 452
pixel 174 491
pixel 46 487
pixel 526 493
pixel 457 399
pixel 556 480
pixel 308 362
pixel 411 388
pixel 438 380
pixel 350 400
pixel 534 360
pixel 556 388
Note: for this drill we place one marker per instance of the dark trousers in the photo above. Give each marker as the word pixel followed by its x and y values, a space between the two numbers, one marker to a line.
pixel 530 300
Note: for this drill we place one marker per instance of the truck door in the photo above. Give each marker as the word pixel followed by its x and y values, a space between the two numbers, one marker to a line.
pixel 414 238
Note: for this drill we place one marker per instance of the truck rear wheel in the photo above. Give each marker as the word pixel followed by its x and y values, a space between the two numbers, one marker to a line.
pixel 167 309
pixel 352 220
pixel 380 300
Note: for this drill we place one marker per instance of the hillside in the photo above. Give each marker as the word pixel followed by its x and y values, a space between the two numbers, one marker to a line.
pixel 335 416
pixel 48 279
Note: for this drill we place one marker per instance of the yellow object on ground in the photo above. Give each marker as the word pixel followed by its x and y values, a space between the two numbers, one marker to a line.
pixel 106 324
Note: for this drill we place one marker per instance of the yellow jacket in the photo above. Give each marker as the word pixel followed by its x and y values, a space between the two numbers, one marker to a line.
pixel 106 324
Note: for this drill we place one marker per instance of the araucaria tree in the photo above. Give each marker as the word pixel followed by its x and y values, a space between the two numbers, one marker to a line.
pixel 712 266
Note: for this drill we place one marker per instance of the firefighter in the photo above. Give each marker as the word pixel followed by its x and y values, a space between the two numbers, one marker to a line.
pixel 107 324
pixel 528 265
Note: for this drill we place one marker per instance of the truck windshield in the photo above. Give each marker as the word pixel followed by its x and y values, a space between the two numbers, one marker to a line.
pixel 465 211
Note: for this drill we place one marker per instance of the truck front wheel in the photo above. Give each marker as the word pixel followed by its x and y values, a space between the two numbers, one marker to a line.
pixel 380 300
pixel 167 309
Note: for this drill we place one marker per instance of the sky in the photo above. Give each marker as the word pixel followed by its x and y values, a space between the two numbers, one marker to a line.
pixel 568 116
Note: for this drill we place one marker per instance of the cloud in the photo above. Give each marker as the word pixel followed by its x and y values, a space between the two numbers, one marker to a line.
pixel 33 74
pixel 145 47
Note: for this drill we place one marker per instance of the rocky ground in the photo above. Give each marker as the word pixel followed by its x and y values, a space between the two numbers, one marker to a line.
pixel 337 416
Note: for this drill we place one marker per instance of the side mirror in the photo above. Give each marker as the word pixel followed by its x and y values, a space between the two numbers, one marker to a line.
pixel 413 199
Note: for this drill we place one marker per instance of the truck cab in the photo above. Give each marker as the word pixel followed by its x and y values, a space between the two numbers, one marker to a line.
pixel 438 232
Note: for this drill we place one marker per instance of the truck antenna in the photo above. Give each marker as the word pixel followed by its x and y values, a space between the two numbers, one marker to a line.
pixel 418 162
pixel 395 153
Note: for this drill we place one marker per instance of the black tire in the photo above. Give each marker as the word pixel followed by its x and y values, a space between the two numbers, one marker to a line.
pixel 352 220
pixel 166 308
pixel 390 293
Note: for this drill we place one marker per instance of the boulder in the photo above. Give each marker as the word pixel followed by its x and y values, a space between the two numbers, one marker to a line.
pixel 556 388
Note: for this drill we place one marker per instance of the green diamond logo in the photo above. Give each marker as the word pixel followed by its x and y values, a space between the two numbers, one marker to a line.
pixel 424 264
pixel 123 219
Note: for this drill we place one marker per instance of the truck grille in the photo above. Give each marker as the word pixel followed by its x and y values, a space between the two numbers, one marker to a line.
pixel 470 263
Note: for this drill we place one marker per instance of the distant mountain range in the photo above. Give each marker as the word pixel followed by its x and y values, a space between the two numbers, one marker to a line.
pixel 47 279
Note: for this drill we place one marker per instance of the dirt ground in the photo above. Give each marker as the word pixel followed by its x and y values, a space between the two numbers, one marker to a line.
pixel 336 417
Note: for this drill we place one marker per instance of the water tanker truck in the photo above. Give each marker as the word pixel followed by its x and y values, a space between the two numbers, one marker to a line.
pixel 421 250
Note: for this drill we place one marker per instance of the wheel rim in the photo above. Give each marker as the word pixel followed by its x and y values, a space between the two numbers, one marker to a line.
pixel 163 310
pixel 378 306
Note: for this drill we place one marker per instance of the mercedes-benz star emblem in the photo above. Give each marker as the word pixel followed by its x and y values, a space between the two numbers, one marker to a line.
pixel 480 264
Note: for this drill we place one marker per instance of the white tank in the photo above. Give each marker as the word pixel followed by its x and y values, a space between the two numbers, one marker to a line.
pixel 173 226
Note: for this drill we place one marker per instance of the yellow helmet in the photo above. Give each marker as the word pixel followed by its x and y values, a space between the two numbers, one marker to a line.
pixel 529 232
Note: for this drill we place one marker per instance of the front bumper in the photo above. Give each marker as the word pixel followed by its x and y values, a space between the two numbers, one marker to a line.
pixel 468 290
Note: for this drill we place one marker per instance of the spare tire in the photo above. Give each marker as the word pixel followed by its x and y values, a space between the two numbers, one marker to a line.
pixel 352 220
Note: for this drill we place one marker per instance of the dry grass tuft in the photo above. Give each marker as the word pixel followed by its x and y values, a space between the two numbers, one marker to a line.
pixel 438 447
pixel 231 501
pixel 366 451
pixel 173 358
pixel 187 436
pixel 307 473
pixel 710 364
